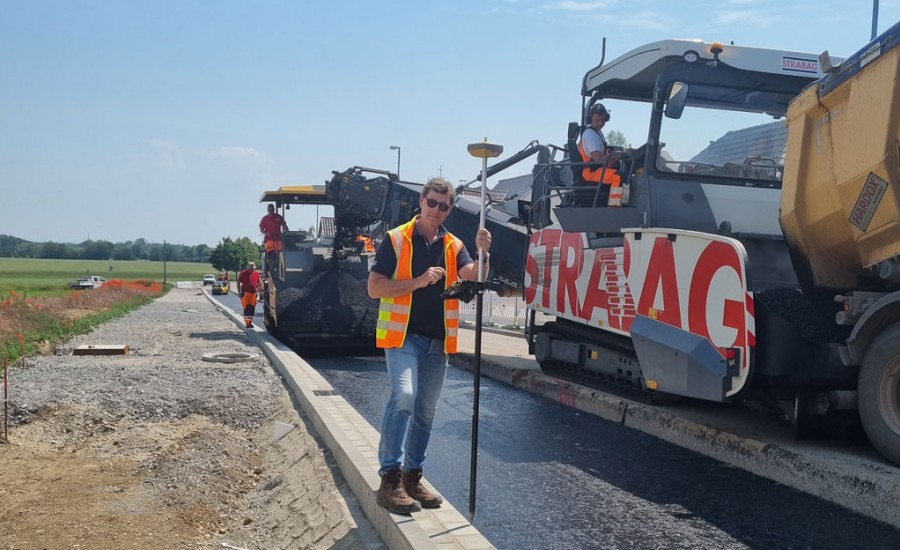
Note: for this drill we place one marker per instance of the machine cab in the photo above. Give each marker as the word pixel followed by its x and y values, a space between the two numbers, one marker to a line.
pixel 711 158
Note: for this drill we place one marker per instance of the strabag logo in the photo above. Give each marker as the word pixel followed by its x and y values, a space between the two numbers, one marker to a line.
pixel 868 201
pixel 799 65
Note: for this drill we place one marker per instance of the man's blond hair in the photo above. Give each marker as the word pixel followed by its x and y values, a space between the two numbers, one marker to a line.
pixel 441 186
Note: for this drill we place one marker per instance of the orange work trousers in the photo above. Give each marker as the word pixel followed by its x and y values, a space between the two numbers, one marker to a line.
pixel 248 300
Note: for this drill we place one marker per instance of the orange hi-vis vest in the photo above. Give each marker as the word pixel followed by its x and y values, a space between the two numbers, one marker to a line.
pixel 608 176
pixel 393 313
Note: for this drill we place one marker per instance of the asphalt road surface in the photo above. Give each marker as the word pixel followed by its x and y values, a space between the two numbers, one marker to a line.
pixel 553 477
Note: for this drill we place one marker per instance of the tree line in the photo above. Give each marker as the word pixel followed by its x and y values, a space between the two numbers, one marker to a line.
pixel 138 249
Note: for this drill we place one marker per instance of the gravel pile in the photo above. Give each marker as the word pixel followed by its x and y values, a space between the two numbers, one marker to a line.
pixel 164 377
pixel 161 449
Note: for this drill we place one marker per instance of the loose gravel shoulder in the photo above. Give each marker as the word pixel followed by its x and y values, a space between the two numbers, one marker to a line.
pixel 161 449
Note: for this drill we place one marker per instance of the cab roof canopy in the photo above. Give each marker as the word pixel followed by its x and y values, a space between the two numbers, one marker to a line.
pixel 296 194
pixel 775 73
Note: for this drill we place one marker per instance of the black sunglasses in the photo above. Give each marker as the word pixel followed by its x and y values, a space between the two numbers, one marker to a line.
pixel 442 205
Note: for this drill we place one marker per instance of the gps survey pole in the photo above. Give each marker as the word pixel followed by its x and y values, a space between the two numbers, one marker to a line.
pixel 484 151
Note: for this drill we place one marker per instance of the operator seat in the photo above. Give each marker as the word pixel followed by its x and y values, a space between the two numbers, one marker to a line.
pixel 585 192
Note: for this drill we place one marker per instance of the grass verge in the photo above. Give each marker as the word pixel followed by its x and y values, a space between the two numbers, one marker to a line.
pixel 31 325
pixel 39 275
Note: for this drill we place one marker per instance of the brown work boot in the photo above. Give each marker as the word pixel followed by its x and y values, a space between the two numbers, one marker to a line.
pixel 392 496
pixel 412 482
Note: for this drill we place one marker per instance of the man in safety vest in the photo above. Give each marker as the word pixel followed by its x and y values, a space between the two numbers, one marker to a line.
pixel 413 265
pixel 593 147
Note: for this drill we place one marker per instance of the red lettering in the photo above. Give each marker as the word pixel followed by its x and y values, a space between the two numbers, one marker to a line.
pixel 550 241
pixel 595 295
pixel 571 258
pixel 714 257
pixel 661 274
pixel 751 311
pixel 531 274
pixel 626 258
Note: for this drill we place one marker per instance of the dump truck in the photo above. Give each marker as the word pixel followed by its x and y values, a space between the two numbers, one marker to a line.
pixel 755 253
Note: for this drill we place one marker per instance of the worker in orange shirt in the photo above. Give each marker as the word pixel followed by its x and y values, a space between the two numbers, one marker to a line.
pixel 248 286
pixel 271 226
pixel 367 244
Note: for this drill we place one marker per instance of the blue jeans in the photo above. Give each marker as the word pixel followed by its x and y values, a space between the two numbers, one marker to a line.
pixel 416 372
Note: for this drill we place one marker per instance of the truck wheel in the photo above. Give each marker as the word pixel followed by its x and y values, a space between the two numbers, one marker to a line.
pixel 879 393
pixel 802 420
pixel 269 321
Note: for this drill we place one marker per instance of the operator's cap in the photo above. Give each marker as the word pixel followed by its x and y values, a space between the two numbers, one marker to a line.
pixel 599 109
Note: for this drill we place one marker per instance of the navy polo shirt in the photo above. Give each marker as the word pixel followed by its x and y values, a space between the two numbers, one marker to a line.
pixel 426 314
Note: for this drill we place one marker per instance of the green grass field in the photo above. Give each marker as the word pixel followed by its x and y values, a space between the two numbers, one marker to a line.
pixel 35 274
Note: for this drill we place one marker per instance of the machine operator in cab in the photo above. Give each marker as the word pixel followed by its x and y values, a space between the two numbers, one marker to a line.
pixel 593 147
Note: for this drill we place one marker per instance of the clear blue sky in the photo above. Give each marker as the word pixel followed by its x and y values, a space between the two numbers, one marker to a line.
pixel 167 119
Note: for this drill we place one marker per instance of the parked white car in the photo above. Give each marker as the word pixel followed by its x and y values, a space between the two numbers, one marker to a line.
pixel 88 282
pixel 209 279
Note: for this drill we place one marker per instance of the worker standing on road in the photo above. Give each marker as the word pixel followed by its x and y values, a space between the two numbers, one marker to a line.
pixel 364 242
pixel 248 285
pixel 271 226
pixel 593 147
pixel 417 329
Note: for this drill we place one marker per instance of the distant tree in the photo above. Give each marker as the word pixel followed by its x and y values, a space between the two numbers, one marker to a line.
pixel 155 252
pixel 174 252
pixel 201 253
pixel 311 232
pixel 52 250
pixel 98 250
pixel 139 249
pixel 231 255
pixel 8 243
pixel 248 251
pixel 26 249
pixel 617 139
pixel 123 251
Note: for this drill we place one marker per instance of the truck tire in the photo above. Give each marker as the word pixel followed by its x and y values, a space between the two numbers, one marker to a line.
pixel 879 393
pixel 269 321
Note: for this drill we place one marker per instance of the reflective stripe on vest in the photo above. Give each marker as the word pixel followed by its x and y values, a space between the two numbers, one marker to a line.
pixel 608 175
pixel 393 313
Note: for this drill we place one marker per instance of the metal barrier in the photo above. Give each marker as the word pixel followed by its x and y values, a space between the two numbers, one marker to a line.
pixel 505 312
